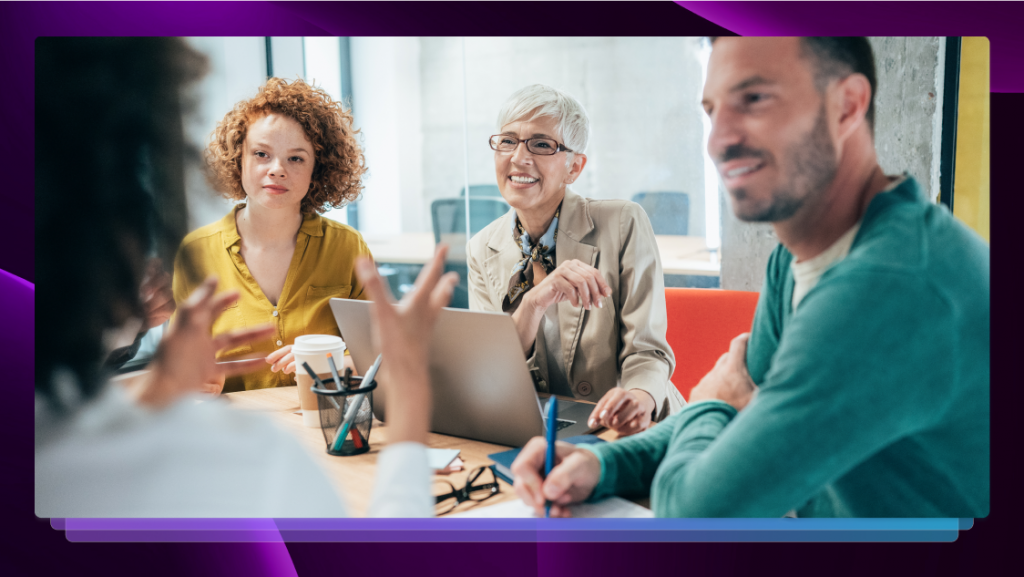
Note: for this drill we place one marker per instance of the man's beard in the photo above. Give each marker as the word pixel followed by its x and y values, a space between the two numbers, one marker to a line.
pixel 812 168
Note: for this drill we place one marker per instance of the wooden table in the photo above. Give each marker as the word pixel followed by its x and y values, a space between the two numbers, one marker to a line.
pixel 354 477
pixel 679 254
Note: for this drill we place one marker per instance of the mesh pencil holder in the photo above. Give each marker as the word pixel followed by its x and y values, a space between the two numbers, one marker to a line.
pixel 335 403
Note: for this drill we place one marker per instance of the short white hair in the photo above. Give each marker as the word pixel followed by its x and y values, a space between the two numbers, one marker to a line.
pixel 538 100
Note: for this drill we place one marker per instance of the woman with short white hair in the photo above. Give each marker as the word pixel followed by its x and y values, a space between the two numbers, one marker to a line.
pixel 580 277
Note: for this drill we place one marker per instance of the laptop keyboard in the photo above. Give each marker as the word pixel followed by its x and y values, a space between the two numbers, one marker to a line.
pixel 562 423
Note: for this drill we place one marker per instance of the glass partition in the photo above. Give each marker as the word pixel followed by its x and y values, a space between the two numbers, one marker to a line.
pixel 425 108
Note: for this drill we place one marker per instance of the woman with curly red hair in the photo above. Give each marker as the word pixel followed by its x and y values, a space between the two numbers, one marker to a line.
pixel 290 153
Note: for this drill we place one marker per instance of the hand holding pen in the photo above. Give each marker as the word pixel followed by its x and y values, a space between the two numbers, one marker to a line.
pixel 572 479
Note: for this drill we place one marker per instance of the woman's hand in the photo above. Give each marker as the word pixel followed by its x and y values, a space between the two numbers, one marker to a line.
pixel 402 334
pixel 214 387
pixel 185 361
pixel 283 359
pixel 573 281
pixel 155 293
pixel 625 412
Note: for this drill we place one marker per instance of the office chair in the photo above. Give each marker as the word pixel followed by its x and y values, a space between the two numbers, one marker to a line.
pixel 449 219
pixel 449 214
pixel 482 190
pixel 701 324
pixel 669 211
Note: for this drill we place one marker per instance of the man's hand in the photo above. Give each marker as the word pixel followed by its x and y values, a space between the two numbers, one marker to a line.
pixel 403 334
pixel 729 381
pixel 625 412
pixel 185 361
pixel 155 293
pixel 572 479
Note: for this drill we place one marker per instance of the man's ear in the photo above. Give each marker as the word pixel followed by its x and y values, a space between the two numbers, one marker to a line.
pixel 854 97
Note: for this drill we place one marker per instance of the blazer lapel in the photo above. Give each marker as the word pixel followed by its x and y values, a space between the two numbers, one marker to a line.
pixel 503 255
pixel 574 224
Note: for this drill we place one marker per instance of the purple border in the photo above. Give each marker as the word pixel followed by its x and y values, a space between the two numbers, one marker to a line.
pixel 999 21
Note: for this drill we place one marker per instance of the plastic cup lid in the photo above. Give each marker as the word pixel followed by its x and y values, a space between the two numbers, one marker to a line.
pixel 318 343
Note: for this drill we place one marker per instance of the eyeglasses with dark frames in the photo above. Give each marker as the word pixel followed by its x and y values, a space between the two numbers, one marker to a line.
pixel 452 497
pixel 506 143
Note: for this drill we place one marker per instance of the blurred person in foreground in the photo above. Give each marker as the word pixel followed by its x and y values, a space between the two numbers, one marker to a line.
pixel 580 277
pixel 291 154
pixel 863 387
pixel 149 449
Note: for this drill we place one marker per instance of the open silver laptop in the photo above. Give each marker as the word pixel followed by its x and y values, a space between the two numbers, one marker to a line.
pixel 482 388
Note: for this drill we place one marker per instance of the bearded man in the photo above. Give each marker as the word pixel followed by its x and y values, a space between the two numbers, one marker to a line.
pixel 863 387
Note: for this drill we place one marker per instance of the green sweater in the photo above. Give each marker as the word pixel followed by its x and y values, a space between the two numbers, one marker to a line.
pixel 874 394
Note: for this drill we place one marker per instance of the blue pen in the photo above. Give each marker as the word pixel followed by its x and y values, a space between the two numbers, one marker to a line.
pixel 549 461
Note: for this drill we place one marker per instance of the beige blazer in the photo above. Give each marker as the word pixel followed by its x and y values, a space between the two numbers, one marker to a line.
pixel 621 345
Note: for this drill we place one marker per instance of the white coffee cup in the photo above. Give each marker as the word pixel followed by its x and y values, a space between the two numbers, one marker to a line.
pixel 313 349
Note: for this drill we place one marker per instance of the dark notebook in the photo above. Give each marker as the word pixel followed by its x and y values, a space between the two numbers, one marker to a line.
pixel 503 460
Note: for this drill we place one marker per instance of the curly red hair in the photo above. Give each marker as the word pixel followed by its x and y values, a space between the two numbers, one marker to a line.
pixel 339 163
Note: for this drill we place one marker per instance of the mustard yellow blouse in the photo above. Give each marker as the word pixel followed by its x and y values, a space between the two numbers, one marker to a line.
pixel 323 267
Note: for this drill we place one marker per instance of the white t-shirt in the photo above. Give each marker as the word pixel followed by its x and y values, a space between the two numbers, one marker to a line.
pixel 806 274
pixel 112 458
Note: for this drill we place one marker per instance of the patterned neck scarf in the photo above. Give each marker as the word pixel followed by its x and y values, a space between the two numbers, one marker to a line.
pixel 542 251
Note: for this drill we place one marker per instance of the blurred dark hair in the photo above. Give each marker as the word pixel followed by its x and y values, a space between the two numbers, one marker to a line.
pixel 839 57
pixel 109 153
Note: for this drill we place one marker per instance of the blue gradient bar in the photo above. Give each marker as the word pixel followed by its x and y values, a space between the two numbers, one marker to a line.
pixel 511 530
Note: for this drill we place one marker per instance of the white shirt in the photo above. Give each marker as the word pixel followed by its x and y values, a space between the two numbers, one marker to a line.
pixel 806 274
pixel 112 458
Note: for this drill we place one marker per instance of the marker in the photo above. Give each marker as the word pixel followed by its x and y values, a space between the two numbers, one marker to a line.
pixel 357 402
pixel 549 460
pixel 334 371
pixel 357 439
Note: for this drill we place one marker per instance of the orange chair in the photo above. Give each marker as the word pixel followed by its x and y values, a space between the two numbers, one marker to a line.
pixel 701 323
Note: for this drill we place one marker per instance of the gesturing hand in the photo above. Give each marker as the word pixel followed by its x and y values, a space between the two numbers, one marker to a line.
pixel 155 293
pixel 185 361
pixel 729 381
pixel 572 479
pixel 403 333
pixel 573 281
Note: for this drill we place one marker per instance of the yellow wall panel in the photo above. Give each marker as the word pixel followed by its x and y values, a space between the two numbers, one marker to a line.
pixel 971 172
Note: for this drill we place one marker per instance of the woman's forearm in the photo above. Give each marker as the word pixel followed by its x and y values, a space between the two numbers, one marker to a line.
pixel 527 320
pixel 409 411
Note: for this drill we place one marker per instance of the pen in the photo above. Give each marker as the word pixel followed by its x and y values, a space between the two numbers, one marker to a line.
pixel 356 403
pixel 319 383
pixel 549 460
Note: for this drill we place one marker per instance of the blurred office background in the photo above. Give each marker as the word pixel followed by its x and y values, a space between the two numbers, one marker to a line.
pixel 426 107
